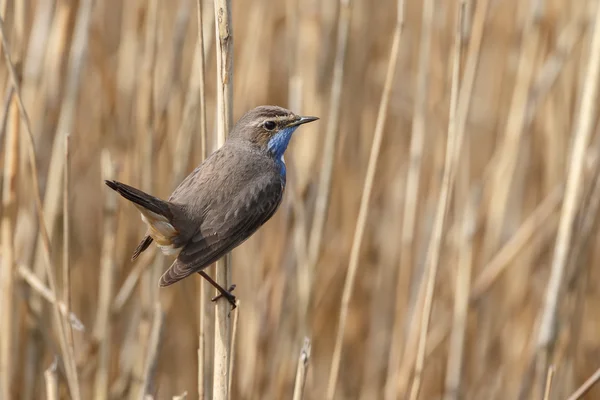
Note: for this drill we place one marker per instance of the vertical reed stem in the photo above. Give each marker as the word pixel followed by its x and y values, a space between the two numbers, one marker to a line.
pixel 224 46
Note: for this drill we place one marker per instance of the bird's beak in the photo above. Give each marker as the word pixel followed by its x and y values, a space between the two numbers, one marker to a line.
pixel 303 120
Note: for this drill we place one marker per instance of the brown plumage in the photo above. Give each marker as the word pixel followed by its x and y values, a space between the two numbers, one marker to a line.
pixel 224 200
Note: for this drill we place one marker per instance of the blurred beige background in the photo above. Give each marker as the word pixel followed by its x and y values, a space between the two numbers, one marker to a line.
pixel 117 76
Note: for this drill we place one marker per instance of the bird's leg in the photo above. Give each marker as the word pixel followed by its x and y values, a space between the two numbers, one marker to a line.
pixel 222 292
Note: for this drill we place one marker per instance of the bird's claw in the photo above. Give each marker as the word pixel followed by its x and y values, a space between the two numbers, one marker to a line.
pixel 228 295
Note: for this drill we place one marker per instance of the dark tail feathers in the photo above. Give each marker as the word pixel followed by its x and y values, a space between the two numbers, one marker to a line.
pixel 146 241
pixel 140 198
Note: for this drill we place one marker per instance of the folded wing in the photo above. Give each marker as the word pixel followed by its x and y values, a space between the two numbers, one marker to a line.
pixel 226 227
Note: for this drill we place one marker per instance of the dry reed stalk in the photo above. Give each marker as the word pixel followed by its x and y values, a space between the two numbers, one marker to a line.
pixel 397 378
pixel 43 291
pixel 203 291
pixel 586 387
pixel 103 324
pixel 417 142
pixel 38 39
pixel 146 122
pixel 302 370
pixel 532 226
pixel 51 378
pixel 73 385
pixel 505 172
pixel 364 202
pixel 9 213
pixel 452 160
pixel 409 219
pixel 53 184
pixel 66 271
pixel 130 282
pixel 463 277
pixel 502 258
pixel 181 396
pixel 66 267
pixel 458 331
pixel 410 210
pixel 587 220
pixel 331 133
pixel 224 46
pixel 292 19
pixel 5 113
pixel 152 350
pixel 127 356
pixel 582 132
pixel 310 251
pixel 553 66
pixel 77 58
pixel 548 388
pixel 236 314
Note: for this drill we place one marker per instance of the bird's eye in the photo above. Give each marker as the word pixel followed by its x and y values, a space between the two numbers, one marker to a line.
pixel 269 125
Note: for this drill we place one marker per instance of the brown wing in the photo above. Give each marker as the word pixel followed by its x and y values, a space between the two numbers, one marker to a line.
pixel 223 230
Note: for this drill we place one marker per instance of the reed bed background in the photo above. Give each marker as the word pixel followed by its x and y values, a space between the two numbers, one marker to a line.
pixel 438 234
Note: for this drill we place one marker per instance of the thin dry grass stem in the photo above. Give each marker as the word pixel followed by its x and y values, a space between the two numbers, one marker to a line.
pixel 7 276
pixel 452 158
pixel 549 378
pixel 127 356
pixel 463 278
pixel 582 132
pixel 103 324
pixel 302 370
pixel 129 284
pixel 66 272
pixel 503 257
pixel 5 113
pixel 203 291
pixel 531 227
pixel 202 85
pixel 587 221
pixel 234 328
pixel 224 46
pixel 38 40
pixel 73 385
pixel 331 133
pixel 417 141
pixel 292 18
pixel 304 270
pixel 458 331
pixel 505 171
pixel 398 381
pixel 152 351
pixel 364 204
pixel 586 387
pixel 553 66
pixel 181 396
pixel 43 291
pixel 77 58
pixel 411 202
pixel 51 379
pixel 308 253
pixel 146 124
pixel 190 122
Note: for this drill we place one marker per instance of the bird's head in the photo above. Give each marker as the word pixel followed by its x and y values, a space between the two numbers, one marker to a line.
pixel 269 127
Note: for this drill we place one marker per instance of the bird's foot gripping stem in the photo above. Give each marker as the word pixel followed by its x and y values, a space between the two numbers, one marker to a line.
pixel 222 292
pixel 228 295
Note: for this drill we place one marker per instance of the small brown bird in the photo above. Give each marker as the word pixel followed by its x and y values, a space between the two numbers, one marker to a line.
pixel 224 200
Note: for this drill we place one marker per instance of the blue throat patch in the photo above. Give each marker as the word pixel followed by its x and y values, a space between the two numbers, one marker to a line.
pixel 278 144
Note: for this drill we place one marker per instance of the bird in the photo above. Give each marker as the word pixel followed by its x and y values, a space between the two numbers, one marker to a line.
pixel 223 201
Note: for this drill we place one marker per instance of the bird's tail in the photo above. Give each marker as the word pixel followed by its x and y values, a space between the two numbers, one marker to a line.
pixel 156 213
pixel 139 198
